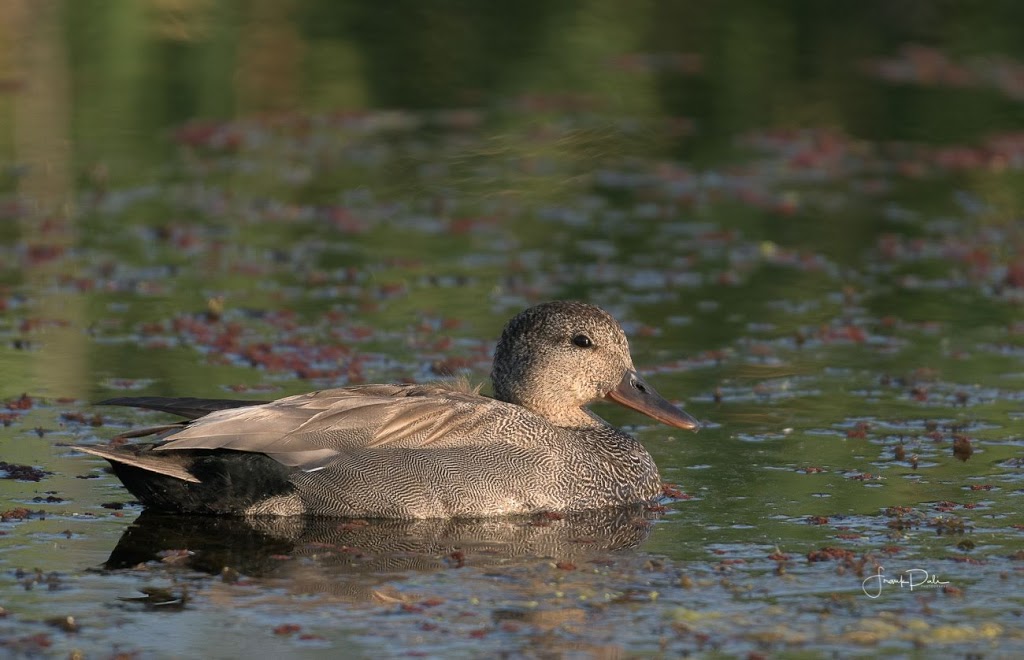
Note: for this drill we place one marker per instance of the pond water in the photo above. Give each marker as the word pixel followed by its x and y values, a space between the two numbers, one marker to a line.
pixel 807 217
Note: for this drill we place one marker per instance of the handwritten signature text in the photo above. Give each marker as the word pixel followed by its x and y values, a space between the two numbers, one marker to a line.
pixel 912 578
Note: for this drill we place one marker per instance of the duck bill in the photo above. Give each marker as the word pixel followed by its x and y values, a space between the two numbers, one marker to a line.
pixel 634 393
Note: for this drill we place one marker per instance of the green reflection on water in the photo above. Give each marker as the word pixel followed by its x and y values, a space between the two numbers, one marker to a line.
pixel 420 217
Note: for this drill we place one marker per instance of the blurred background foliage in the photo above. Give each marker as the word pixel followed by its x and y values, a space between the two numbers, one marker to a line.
pixel 177 176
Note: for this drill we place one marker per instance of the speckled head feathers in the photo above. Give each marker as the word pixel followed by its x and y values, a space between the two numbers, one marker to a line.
pixel 558 356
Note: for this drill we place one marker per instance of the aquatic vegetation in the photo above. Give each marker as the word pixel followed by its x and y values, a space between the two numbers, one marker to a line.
pixel 829 263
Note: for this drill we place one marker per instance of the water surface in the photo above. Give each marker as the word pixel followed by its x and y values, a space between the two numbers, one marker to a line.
pixel 808 219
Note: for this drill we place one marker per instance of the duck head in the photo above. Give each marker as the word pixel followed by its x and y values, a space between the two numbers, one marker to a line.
pixel 557 357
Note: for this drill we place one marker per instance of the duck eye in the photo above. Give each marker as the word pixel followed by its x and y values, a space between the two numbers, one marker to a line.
pixel 582 341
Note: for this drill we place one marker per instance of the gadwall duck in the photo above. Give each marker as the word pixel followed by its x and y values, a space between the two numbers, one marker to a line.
pixel 418 451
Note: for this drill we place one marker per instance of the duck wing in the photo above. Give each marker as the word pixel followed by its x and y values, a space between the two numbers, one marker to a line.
pixel 308 431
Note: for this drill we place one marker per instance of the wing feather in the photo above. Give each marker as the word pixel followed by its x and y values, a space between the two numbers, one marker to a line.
pixel 310 430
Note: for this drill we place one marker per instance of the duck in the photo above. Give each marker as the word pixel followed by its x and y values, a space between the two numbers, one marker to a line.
pixel 416 451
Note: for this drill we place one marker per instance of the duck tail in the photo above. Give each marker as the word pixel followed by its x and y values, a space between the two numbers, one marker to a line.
pixel 159 463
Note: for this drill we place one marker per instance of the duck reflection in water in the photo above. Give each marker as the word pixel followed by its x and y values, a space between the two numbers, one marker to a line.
pixel 352 557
